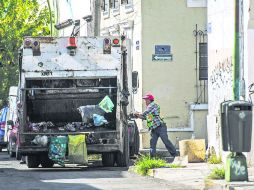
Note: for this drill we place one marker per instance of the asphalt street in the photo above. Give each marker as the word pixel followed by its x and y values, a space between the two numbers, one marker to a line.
pixel 16 176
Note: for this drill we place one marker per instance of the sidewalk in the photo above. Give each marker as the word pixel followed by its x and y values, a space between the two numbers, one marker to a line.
pixel 195 177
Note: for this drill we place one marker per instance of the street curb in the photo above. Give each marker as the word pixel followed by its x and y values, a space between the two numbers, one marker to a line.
pixel 151 172
pixel 209 184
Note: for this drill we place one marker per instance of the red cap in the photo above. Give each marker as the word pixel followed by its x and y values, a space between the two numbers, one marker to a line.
pixel 149 96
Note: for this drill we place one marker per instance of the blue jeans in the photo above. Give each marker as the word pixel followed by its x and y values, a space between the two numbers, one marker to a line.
pixel 161 132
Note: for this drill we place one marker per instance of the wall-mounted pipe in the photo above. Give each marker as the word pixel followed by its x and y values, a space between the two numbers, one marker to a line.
pixel 238 61
pixel 236 53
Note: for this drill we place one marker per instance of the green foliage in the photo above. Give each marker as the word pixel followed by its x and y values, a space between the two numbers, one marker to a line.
pixel 217 173
pixel 174 166
pixel 18 19
pixel 145 163
pixel 214 159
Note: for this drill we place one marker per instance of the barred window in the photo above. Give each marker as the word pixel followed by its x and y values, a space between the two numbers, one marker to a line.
pixel 126 1
pixel 105 5
pixel 116 4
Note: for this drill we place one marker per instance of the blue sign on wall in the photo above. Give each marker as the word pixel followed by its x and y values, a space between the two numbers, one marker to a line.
pixel 162 49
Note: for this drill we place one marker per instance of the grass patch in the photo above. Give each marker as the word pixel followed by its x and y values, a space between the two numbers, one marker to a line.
pixel 174 166
pixel 217 173
pixel 214 159
pixel 145 163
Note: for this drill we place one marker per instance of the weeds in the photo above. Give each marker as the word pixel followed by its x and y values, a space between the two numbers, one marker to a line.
pixel 217 173
pixel 145 163
pixel 174 166
pixel 214 159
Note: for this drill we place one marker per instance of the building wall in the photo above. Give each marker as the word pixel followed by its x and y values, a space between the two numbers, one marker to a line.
pixel 220 61
pixel 173 83
pixel 250 68
pixel 221 36
pixel 127 21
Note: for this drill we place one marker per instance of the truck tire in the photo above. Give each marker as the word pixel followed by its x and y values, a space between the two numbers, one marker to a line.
pixel 46 162
pixel 123 158
pixel 11 153
pixel 108 159
pixel 134 149
pixel 32 161
pixel 18 155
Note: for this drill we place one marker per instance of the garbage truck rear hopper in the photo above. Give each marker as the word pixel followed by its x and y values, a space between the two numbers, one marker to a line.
pixel 57 76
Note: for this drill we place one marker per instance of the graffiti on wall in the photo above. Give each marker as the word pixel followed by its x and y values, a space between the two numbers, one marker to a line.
pixel 222 74
pixel 220 86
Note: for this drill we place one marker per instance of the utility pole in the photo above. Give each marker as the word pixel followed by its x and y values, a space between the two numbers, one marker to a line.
pixel 93 22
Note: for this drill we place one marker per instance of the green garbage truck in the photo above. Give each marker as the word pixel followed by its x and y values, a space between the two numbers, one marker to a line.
pixel 60 77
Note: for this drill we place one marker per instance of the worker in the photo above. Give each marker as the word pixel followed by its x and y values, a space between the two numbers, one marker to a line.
pixel 155 125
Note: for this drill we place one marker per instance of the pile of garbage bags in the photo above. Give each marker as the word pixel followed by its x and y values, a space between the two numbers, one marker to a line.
pixel 40 140
pixel 76 144
pixel 96 112
pixel 92 116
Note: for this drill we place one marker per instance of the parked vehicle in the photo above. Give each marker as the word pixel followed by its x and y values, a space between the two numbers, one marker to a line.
pixel 12 122
pixel 3 122
pixel 57 76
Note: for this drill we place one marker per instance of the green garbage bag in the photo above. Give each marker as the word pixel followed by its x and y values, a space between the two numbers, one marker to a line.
pixel 77 149
pixel 57 149
pixel 106 104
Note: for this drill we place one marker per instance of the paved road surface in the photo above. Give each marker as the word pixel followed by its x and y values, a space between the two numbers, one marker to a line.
pixel 15 176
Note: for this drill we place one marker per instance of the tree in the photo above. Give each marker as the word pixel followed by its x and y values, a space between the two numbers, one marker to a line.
pixel 18 18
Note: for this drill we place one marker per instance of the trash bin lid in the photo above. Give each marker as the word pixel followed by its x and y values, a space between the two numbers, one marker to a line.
pixel 240 105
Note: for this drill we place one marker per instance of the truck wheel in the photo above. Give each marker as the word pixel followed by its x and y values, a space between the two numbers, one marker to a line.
pixel 134 149
pixel 32 161
pixel 1 149
pixel 108 159
pixel 46 162
pixel 18 155
pixel 123 159
pixel 11 153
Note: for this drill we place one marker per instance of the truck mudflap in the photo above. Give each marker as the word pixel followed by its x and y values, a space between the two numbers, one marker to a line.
pixel 100 148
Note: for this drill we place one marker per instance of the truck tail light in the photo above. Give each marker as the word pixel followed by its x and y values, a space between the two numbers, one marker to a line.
pixel 36 48
pixel 27 43
pixel 107 46
pixel 72 43
pixel 116 42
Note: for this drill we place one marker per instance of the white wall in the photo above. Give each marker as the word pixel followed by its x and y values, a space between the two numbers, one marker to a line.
pixel 220 61
pixel 250 69
pixel 221 19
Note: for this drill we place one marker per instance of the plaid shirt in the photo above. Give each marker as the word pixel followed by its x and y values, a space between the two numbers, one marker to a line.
pixel 152 115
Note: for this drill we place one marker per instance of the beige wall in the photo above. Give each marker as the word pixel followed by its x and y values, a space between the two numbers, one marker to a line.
pixel 128 22
pixel 171 22
pixel 164 22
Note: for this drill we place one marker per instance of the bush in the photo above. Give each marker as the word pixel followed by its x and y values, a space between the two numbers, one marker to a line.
pixel 213 159
pixel 217 173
